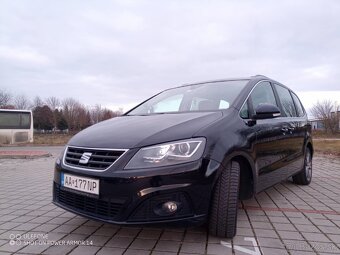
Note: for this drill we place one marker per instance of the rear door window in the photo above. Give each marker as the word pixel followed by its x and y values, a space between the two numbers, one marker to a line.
pixel 286 101
pixel 299 109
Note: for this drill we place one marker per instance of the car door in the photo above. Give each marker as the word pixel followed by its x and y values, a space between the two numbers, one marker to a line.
pixel 294 126
pixel 268 149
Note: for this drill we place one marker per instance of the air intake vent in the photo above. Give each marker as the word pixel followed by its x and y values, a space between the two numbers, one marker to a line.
pixel 88 205
pixel 89 158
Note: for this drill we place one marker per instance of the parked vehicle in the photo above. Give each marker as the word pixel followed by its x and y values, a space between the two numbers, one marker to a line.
pixel 16 126
pixel 188 154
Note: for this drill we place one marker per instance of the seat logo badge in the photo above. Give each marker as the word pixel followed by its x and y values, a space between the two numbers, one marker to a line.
pixel 85 158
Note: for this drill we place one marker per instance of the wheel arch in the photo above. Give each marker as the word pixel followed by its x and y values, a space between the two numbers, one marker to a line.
pixel 309 145
pixel 248 176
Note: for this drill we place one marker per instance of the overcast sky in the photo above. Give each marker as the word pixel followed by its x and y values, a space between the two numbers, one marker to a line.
pixel 117 53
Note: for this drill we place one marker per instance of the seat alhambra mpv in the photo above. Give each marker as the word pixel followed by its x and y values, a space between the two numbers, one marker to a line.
pixel 187 155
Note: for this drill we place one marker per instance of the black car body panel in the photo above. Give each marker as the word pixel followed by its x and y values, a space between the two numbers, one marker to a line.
pixel 112 133
pixel 270 151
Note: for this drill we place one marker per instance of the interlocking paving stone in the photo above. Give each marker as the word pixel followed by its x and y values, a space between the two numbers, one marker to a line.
pixel 107 231
pixel 290 235
pixel 85 250
pixel 143 244
pixel 297 245
pixel 317 237
pixel 169 246
pixel 265 233
pixel 270 242
pixel 110 251
pixel 171 235
pixel 119 242
pixel 325 247
pixel 272 251
pixel 164 253
pixel 285 219
pixel 197 248
pixel 217 249
pixel 134 252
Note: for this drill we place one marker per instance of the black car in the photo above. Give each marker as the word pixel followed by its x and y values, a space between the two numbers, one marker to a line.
pixel 187 155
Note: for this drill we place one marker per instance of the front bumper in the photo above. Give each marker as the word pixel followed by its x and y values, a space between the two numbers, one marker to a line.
pixel 133 199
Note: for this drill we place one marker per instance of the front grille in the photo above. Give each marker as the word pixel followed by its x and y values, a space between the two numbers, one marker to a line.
pixel 88 205
pixel 95 159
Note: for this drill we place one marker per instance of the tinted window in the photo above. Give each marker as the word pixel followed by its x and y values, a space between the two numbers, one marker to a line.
pixel 286 101
pixel 199 97
pixel 15 120
pixel 244 113
pixel 299 109
pixel 263 93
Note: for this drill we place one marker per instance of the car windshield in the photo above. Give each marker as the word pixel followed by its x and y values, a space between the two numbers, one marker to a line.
pixel 210 96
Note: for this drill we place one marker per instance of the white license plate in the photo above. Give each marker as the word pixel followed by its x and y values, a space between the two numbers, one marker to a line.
pixel 80 183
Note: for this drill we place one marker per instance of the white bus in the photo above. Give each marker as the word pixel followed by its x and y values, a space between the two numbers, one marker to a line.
pixel 16 126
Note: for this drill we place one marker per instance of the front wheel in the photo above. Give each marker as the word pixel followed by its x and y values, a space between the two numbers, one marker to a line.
pixel 305 176
pixel 223 213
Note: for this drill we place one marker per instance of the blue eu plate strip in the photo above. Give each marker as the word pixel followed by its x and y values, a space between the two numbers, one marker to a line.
pixel 62 178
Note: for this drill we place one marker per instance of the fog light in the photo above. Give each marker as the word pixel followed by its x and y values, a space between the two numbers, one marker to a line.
pixel 170 207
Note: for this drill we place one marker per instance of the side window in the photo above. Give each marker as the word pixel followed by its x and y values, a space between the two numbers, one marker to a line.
pixel 263 93
pixel 25 120
pixel 244 113
pixel 299 109
pixel 286 101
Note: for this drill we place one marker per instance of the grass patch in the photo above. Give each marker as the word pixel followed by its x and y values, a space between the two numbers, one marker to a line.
pixel 330 147
pixel 51 139
pixel 322 134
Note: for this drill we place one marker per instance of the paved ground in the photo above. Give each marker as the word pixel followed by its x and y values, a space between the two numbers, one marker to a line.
pixel 286 219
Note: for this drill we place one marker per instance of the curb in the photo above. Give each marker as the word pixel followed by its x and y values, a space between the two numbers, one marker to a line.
pixel 18 154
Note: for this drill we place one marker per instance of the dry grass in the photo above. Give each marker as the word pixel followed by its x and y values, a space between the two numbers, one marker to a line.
pixel 329 147
pixel 323 134
pixel 51 139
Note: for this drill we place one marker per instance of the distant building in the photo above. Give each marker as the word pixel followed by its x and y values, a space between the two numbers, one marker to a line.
pixel 317 124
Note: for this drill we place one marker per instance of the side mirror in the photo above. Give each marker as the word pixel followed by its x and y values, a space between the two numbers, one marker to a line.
pixel 266 111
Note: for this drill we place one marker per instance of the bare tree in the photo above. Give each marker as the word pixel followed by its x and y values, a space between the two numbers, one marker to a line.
pixel 52 102
pixel 99 113
pixel 76 114
pixel 96 113
pixel 37 102
pixel 22 102
pixel 327 112
pixel 5 98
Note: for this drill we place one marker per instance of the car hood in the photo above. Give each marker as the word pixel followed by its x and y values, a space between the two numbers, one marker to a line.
pixel 126 132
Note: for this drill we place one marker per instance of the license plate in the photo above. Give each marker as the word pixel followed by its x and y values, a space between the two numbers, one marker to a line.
pixel 80 183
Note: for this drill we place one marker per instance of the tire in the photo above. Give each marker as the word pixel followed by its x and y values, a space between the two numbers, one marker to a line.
pixel 223 211
pixel 305 176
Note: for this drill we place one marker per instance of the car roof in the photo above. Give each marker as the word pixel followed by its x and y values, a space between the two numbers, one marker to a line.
pixel 255 77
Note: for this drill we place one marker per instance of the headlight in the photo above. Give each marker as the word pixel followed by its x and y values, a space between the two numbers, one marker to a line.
pixel 60 157
pixel 168 154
